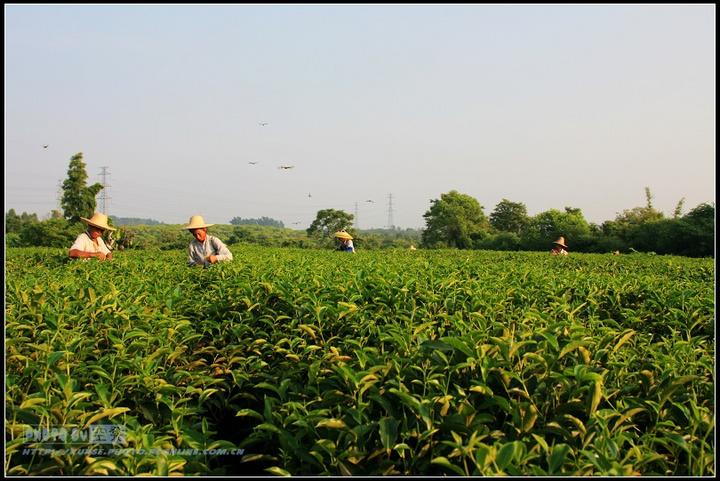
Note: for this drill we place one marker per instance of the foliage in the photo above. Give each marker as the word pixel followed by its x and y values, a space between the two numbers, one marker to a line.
pixel 78 199
pixel 698 232
pixel 544 228
pixel 454 220
pixel 265 221
pixel 502 241
pixel 401 362
pixel 677 213
pixel 630 219
pixel 50 233
pixel 509 216
pixel 268 236
pixel 329 221
pixel 15 223
pixel 120 239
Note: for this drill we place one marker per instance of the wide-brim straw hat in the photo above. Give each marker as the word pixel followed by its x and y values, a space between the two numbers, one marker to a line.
pixel 343 235
pixel 197 222
pixel 98 220
pixel 561 242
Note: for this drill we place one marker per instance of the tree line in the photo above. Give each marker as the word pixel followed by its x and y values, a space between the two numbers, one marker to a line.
pixel 455 220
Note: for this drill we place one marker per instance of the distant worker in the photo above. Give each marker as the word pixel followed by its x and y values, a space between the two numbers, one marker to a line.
pixel 560 249
pixel 205 249
pixel 346 243
pixel 616 253
pixel 412 247
pixel 90 243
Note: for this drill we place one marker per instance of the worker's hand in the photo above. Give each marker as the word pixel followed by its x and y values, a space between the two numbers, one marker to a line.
pixel 109 256
pixel 212 258
pixel 101 256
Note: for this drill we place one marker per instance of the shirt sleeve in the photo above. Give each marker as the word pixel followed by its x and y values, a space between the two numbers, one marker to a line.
pixel 103 247
pixel 223 253
pixel 81 244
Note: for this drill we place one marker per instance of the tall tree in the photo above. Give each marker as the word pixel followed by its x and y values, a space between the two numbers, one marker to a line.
pixel 454 220
pixel 547 226
pixel 329 221
pixel 648 197
pixel 78 199
pixel 509 216
pixel 630 219
pixel 678 209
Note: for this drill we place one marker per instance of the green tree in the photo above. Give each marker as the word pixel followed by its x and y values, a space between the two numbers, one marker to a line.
pixel 454 220
pixel 547 226
pixel 329 221
pixel 48 233
pixel 628 220
pixel 698 231
pixel 678 209
pixel 78 199
pixel 509 216
pixel 15 223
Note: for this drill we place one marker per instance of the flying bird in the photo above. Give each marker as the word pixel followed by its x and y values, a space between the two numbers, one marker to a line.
pixel 262 124
pixel 296 222
pixel 45 146
pixel 370 201
pixel 309 194
pixel 286 167
pixel 252 163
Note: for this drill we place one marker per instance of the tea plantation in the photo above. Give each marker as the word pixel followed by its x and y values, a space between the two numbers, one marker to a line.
pixel 310 362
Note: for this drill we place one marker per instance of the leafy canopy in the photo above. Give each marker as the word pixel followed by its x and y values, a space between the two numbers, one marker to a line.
pixel 78 199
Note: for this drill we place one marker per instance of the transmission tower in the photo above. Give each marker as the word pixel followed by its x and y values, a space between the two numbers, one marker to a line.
pixel 357 222
pixel 391 224
pixel 104 192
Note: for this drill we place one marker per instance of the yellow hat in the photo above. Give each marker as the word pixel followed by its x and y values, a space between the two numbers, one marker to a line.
pixel 98 220
pixel 197 222
pixel 343 235
pixel 561 242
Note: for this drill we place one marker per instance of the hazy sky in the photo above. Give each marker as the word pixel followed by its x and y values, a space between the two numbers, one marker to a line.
pixel 548 105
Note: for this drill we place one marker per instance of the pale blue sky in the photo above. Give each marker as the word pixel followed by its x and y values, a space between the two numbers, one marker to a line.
pixel 549 105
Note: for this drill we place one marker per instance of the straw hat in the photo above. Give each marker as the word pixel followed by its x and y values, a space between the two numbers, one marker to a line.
pixel 561 242
pixel 197 222
pixel 343 235
pixel 98 220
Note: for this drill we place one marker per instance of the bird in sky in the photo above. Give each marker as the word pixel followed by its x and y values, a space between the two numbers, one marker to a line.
pixel 45 146
pixel 252 163
pixel 262 124
pixel 296 222
pixel 309 195
pixel 370 201
pixel 286 167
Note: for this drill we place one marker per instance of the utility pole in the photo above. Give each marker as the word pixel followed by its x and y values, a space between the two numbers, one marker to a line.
pixel 391 224
pixel 59 195
pixel 104 192
pixel 357 222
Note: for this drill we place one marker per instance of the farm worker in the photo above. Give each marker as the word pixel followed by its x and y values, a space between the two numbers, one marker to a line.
pixel 412 247
pixel 205 249
pixel 346 243
pixel 90 243
pixel 560 248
